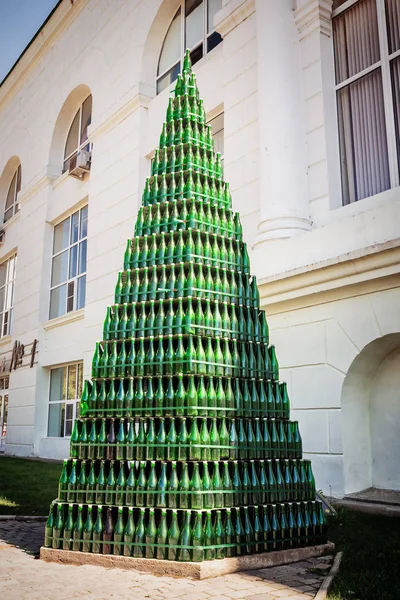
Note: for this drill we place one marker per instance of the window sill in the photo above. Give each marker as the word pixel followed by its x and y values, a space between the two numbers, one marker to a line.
pixel 13 219
pixel 76 315
pixel 6 339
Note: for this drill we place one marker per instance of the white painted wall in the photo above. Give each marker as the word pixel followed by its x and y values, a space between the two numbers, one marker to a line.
pixel 328 292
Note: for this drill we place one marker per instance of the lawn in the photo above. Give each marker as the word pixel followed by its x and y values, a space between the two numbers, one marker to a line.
pixel 27 486
pixel 370 567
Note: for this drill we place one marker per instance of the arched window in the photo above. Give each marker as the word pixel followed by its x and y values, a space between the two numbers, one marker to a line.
pixel 12 206
pixel 77 139
pixel 192 27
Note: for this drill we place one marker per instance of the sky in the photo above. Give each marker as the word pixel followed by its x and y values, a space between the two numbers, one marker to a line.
pixel 19 21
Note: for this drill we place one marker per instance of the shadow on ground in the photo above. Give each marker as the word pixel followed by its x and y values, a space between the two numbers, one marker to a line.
pixel 26 535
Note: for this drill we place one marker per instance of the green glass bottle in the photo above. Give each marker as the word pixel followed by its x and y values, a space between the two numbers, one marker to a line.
pixel 194 441
pixel 128 534
pixel 185 539
pixel 257 532
pixel 255 484
pixel 120 441
pixel 161 537
pixel 184 487
pixel 229 534
pixel 160 500
pixel 72 483
pixel 248 531
pixel 78 530
pixel 81 483
pixel 160 442
pixel 150 440
pixel 130 496
pixel 207 487
pixel 239 533
pixel 211 398
pixel 120 486
pixel 91 485
pixel 246 483
pixel 266 530
pixel 110 485
pixel 197 538
pixel 139 537
pixel 88 531
pixel 205 441
pixel 217 486
pixel 100 484
pixel 227 486
pixel 233 441
pixel 215 441
pixel 119 533
pixel 63 484
pixel 195 488
pixel 173 536
pixel 141 485
pixel 172 487
pixel 74 441
pixel 68 529
pixel 182 451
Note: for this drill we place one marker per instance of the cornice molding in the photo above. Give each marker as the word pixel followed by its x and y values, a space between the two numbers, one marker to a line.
pixel 314 15
pixel 65 14
pixel 332 279
pixel 139 100
pixel 232 15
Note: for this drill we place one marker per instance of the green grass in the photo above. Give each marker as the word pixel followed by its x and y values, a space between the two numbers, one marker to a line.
pixel 370 567
pixel 27 486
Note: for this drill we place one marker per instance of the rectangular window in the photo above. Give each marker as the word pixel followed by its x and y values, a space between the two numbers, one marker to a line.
pixel 7 285
pixel 65 393
pixel 68 273
pixel 366 48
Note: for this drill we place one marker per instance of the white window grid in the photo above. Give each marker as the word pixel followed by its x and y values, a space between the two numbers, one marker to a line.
pixel 72 282
pixel 203 41
pixel 70 403
pixel 7 295
pixel 85 145
pixel 12 205
pixel 384 64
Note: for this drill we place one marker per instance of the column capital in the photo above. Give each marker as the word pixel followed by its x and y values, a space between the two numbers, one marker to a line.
pixel 314 15
pixel 232 14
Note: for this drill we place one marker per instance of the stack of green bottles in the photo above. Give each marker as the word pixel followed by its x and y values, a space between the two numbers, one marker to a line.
pixel 184 448
pixel 176 484
pixel 184 535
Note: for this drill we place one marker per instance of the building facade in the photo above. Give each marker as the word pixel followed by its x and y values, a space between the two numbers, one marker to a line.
pixel 304 100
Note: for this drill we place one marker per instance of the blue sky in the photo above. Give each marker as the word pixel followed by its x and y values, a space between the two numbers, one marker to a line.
pixel 19 21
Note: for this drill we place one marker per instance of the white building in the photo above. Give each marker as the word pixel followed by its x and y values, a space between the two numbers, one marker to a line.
pixel 306 97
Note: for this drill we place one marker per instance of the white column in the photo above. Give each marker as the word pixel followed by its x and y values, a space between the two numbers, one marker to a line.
pixel 283 163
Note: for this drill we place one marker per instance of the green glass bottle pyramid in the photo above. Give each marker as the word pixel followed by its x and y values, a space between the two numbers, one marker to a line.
pixel 184 449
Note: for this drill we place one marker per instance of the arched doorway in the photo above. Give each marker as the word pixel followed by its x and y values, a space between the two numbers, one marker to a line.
pixel 371 417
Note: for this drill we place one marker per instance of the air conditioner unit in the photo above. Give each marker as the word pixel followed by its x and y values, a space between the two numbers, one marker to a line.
pixel 2 236
pixel 80 164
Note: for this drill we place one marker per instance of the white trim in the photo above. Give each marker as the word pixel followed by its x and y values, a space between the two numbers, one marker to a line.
pixel 76 315
pixel 387 94
pixel 6 339
pixel 341 9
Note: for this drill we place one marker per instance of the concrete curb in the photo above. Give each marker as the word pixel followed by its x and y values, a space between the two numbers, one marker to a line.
pixel 194 570
pixel 384 510
pixel 21 518
pixel 327 582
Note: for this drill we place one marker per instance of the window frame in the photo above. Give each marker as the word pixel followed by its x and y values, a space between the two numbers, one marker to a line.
pixel 75 279
pixel 6 324
pixel 203 41
pixel 14 206
pixel 384 64
pixel 81 146
pixel 75 402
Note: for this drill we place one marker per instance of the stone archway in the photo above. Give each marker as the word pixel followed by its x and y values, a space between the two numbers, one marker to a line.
pixel 371 417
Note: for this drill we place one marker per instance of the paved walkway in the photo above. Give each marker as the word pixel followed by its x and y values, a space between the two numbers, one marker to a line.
pixel 22 577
